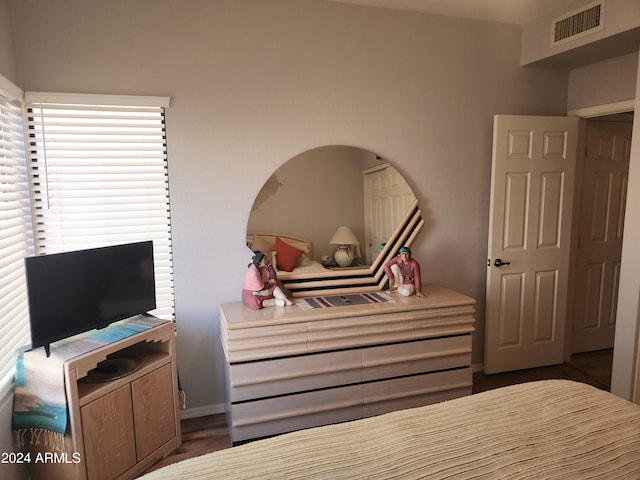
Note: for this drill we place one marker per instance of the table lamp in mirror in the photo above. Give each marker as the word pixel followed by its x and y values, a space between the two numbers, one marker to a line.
pixel 347 244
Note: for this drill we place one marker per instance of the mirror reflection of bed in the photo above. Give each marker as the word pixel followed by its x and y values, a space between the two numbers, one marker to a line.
pixel 311 196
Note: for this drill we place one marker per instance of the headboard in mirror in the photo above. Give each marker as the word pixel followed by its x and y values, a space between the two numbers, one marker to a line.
pixel 317 191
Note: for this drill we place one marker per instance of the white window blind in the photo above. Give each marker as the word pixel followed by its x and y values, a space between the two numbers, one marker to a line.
pixel 16 241
pixel 98 176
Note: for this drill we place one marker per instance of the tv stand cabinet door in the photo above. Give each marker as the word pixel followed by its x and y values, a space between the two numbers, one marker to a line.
pixel 107 427
pixel 153 411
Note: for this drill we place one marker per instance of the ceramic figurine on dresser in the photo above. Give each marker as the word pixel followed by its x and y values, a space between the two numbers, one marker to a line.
pixel 404 276
pixel 260 285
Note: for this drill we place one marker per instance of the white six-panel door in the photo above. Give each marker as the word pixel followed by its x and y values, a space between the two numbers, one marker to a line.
pixel 604 191
pixel 387 199
pixel 533 175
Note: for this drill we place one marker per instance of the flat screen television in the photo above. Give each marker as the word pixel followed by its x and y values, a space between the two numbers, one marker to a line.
pixel 74 292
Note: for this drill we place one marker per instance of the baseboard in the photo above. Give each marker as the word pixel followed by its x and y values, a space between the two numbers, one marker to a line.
pixel 202 411
pixel 477 367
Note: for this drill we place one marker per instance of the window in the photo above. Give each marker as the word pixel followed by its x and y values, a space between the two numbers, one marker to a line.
pixel 98 175
pixel 15 234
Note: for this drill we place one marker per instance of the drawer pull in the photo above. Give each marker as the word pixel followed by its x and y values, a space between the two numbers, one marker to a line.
pixel 296 374
pixel 411 358
pixel 299 412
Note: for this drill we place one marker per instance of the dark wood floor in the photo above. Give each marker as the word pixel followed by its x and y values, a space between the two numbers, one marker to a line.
pixel 209 434
pixel 593 368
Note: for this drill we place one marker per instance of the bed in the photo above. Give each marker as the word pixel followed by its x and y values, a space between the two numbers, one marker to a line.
pixel 290 254
pixel 552 429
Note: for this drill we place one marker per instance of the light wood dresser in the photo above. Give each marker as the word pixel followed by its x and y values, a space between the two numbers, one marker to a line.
pixel 289 368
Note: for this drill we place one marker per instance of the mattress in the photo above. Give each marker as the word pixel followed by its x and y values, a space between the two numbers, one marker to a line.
pixel 554 429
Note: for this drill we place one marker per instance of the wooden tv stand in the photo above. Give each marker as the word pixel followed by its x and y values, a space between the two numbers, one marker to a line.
pixel 118 428
pixel 288 368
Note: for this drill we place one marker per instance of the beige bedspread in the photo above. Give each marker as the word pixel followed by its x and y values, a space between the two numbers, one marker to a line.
pixel 545 430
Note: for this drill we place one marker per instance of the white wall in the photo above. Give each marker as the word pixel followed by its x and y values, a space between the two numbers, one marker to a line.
pixel 254 83
pixel 7 63
pixel 601 83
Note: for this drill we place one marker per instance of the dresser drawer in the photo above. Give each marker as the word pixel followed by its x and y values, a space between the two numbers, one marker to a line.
pixel 294 412
pixel 296 374
pixel 408 392
pixel 410 358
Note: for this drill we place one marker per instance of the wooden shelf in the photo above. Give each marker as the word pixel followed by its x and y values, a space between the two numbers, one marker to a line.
pixel 150 360
pixel 119 428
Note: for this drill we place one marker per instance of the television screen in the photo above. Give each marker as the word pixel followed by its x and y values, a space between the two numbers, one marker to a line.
pixel 73 292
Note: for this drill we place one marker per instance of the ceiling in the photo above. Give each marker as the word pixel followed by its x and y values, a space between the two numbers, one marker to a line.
pixel 508 11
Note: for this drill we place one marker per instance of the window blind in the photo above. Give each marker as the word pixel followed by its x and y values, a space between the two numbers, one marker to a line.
pixel 16 241
pixel 98 177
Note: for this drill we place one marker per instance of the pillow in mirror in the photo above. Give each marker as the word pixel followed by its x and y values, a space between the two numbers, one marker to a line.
pixel 305 259
pixel 287 256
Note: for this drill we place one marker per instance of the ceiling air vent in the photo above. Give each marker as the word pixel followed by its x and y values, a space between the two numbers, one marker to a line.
pixel 576 24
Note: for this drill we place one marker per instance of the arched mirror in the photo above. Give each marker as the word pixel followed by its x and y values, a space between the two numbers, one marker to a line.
pixel 333 215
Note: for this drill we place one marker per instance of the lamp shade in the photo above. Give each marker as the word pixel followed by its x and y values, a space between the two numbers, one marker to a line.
pixel 344 236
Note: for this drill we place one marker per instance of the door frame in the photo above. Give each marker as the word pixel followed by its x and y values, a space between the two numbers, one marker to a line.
pixel 584 114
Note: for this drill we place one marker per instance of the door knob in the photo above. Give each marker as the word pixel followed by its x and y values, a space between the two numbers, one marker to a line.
pixel 500 263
